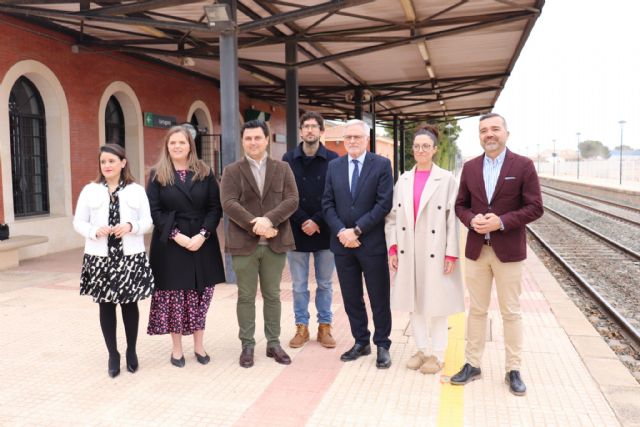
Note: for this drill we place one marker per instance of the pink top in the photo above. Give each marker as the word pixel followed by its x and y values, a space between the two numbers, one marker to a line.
pixel 420 180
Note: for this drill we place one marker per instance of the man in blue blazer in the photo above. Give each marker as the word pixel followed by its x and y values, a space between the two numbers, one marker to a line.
pixel 358 195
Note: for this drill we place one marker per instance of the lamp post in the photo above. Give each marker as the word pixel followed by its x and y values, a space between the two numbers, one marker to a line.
pixel 621 122
pixel 578 175
pixel 553 156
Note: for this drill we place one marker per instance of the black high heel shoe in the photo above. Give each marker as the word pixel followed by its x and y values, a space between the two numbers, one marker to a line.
pixel 114 365
pixel 132 361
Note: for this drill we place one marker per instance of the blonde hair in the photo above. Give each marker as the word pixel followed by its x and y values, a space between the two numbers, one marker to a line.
pixel 164 172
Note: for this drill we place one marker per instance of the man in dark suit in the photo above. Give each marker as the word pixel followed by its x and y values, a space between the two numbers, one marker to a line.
pixel 499 194
pixel 258 194
pixel 358 195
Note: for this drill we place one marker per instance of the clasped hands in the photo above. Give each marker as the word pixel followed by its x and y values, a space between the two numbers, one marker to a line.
pixel 483 224
pixel 262 226
pixel 310 227
pixel 117 230
pixel 348 238
pixel 189 243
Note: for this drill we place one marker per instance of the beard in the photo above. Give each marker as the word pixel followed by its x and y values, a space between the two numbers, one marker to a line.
pixel 311 142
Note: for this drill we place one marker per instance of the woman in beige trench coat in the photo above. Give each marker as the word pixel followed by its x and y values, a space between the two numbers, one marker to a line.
pixel 422 238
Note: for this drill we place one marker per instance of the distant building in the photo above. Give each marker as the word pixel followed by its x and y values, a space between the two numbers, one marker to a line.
pixel 333 141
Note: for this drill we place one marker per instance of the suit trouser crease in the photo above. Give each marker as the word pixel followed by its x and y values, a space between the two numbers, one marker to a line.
pixel 508 278
pixel 267 266
pixel 351 268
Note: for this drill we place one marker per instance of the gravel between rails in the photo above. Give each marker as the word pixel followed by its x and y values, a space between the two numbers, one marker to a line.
pixel 614 274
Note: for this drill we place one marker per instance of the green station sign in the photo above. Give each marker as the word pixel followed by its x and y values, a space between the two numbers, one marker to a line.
pixel 153 120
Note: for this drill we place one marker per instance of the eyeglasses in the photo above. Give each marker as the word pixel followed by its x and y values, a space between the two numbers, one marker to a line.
pixel 423 147
pixel 310 127
pixel 353 137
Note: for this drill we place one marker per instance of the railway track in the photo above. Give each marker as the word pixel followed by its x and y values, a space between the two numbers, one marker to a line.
pixel 607 270
pixel 594 199
pixel 615 211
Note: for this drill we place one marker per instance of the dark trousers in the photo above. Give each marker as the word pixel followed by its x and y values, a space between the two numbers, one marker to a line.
pixel 351 268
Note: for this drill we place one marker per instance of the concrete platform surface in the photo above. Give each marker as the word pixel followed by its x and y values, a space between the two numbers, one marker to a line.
pixel 53 368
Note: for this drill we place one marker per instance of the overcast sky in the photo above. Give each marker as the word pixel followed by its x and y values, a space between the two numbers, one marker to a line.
pixel 579 71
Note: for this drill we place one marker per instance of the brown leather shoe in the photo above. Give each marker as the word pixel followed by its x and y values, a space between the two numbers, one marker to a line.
pixel 246 357
pixel 278 354
pixel 324 335
pixel 301 337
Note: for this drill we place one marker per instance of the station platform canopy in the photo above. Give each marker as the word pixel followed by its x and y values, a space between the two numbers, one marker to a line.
pixel 414 60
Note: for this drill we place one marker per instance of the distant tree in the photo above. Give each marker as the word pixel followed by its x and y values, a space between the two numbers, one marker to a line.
pixel 592 149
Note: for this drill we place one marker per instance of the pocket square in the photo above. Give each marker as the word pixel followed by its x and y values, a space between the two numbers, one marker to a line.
pixel 509 177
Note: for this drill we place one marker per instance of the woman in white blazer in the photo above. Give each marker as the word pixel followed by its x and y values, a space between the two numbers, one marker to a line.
pixel 112 214
pixel 422 238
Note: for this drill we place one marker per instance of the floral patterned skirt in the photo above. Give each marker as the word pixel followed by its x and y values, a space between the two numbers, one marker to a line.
pixel 179 311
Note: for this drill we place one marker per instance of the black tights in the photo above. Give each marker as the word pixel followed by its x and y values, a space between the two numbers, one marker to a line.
pixel 130 317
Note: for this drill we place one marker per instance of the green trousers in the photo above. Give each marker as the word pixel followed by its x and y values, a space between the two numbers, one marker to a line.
pixel 266 265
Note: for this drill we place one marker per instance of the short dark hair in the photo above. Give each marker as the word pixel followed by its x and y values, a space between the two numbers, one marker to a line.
pixel 253 124
pixel 312 115
pixel 490 115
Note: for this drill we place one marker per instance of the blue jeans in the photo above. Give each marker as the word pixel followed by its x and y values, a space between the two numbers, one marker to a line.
pixel 299 266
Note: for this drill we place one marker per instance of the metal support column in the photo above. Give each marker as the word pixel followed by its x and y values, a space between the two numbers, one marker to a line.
pixel 395 148
pixel 291 92
pixel 357 100
pixel 229 109
pixel 372 136
pixel 401 146
pixel 229 101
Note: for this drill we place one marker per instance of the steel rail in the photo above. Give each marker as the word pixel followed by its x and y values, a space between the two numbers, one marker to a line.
pixel 607 202
pixel 629 330
pixel 591 208
pixel 608 240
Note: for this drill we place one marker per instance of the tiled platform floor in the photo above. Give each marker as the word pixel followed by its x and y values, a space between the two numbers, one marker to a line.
pixel 53 368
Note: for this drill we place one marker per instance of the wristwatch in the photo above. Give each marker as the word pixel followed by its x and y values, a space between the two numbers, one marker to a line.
pixel 205 233
pixel 357 231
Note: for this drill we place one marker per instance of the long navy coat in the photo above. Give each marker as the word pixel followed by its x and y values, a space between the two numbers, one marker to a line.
pixel 189 206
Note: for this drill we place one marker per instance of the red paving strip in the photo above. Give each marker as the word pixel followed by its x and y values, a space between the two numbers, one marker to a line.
pixel 293 396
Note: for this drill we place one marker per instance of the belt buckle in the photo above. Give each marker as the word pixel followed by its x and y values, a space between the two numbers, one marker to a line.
pixel 487 242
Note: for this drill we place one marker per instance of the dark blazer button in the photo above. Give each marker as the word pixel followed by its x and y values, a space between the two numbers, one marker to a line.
pixel 304 199
pixel 433 256
pixel 433 231
pixel 304 178
pixel 399 204
pixel 439 207
pixel 401 252
pixel 403 229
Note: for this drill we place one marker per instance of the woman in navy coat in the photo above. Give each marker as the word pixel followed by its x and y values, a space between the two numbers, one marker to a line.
pixel 185 254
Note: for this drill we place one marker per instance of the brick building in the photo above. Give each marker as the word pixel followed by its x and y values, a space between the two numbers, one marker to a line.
pixel 59 103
